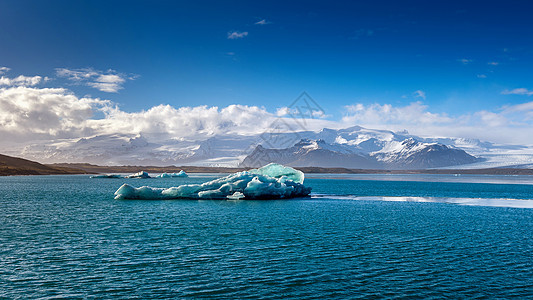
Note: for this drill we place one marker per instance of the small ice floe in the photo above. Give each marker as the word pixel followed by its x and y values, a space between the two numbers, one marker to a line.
pixel 272 181
pixel 141 174
pixel 170 175
pixel 106 176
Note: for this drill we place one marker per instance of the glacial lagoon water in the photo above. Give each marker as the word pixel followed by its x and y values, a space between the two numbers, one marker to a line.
pixel 358 236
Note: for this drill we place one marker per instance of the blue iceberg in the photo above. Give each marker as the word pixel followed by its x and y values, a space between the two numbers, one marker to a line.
pixel 272 181
pixel 278 171
pixel 170 175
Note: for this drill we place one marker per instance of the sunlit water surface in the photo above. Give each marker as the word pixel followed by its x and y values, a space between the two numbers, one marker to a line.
pixel 423 236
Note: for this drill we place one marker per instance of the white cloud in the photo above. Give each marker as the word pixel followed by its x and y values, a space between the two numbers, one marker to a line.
pixel 194 122
pixel 4 70
pixel 22 80
pixel 27 113
pixel 51 113
pixel 233 35
pixel 283 111
pixel 481 76
pixel 375 114
pixel 301 112
pixel 77 75
pixel 420 94
pixel 523 107
pixel 465 61
pixel 110 78
pixel 519 91
pixel 493 63
pixel 109 81
pixel 262 22
pixel 510 124
pixel 491 119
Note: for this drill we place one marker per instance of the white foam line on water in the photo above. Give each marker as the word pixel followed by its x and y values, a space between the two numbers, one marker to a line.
pixel 497 202
pixel 452 178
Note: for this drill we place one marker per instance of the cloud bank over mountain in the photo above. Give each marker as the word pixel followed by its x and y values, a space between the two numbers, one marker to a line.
pixel 31 113
pixel 28 113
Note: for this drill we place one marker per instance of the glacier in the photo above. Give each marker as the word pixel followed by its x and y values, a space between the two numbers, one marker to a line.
pixel 272 181
pixel 170 175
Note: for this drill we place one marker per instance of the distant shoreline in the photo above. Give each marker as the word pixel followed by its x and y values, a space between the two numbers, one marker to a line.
pixel 11 166
pixel 89 168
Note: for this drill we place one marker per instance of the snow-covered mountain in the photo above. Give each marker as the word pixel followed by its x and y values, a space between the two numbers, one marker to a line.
pixel 408 154
pixel 123 149
pixel 354 147
pixel 311 153
pixel 412 154
pixel 113 149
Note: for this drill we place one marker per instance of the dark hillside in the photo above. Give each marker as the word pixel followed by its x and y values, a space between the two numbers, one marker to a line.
pixel 18 166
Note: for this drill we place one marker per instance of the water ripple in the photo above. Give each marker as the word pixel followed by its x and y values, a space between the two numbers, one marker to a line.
pixel 82 244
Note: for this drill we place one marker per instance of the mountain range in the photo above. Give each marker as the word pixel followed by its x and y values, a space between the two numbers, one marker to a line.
pixel 354 147
pixel 407 154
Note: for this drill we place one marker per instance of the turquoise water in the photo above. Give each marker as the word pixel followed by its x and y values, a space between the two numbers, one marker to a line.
pixel 357 237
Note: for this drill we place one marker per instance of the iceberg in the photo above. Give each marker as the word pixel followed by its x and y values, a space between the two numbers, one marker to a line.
pixel 169 175
pixel 106 176
pixel 272 181
pixel 141 174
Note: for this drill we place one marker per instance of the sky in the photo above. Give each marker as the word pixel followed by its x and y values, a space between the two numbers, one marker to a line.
pixel 436 68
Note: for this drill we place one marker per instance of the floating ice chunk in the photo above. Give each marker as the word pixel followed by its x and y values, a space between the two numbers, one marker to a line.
pixel 141 174
pixel 236 196
pixel 107 176
pixel 180 174
pixel 277 171
pixel 169 175
pixel 144 192
pixel 253 184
